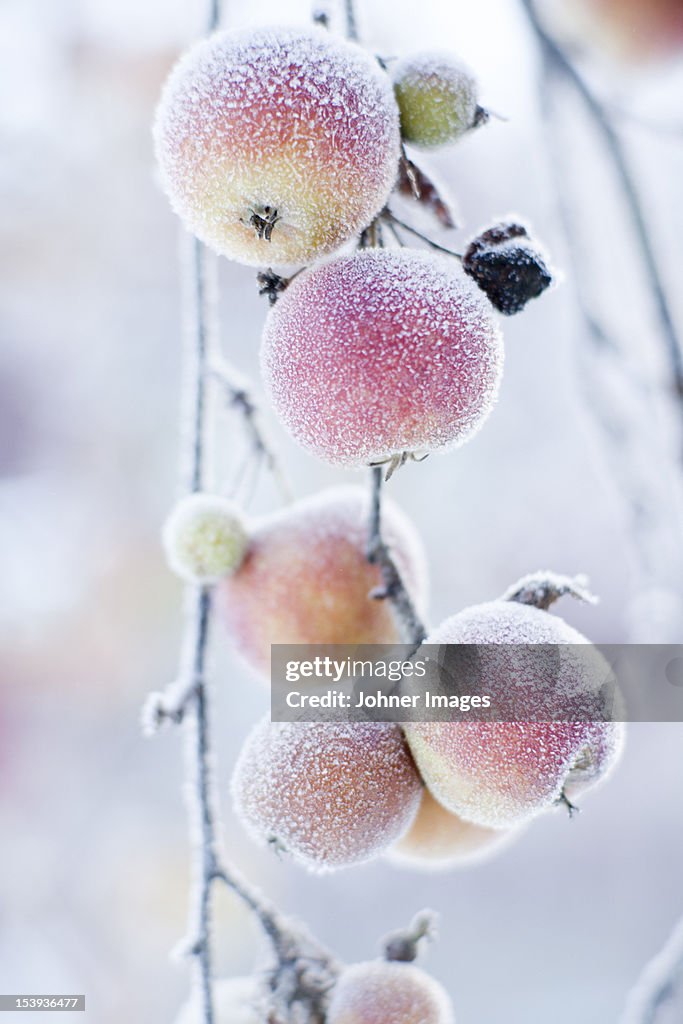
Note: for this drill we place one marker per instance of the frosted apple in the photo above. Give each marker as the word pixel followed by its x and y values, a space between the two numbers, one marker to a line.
pixel 330 794
pixel 501 773
pixel 277 146
pixel 305 578
pixel 437 98
pixel 380 353
pixel 380 992
pixel 439 839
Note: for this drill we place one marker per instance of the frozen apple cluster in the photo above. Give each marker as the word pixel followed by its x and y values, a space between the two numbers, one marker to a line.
pixel 281 148
pixel 319 790
pixel 435 794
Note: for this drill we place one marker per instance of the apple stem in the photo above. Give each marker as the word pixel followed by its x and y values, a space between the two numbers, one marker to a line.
pixel 391 218
pixel 393 588
pixel 482 116
pixel 351 21
pixel 564 801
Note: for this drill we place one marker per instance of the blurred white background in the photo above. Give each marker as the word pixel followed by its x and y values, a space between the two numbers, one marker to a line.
pixel 93 885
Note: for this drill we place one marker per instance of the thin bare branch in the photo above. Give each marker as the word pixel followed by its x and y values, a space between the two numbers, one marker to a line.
pixel 555 56
pixel 542 589
pixel 198 325
pixel 660 983
pixel 200 800
pixel 611 384
pixel 188 700
pixel 240 398
pixel 304 973
pixel 391 218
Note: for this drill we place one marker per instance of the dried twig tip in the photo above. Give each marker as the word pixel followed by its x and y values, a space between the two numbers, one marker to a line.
pixel 543 589
pixel 404 946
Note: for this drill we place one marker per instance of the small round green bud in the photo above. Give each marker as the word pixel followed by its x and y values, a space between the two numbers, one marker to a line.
pixel 204 538
pixel 437 99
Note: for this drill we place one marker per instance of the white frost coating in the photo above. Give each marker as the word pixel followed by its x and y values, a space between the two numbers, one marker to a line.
pixel 330 794
pixel 299 121
pixel 236 1001
pixel 378 992
pixel 204 538
pixel 382 352
pixel 306 578
pixel 437 98
pixel 499 774
pixel 505 622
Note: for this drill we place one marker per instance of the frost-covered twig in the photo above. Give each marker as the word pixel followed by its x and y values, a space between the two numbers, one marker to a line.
pixel 659 983
pixel 542 589
pixel 172 703
pixel 393 588
pixel 555 57
pixel 196 637
pixel 404 945
pixel 186 699
pixel 240 398
pixel 304 971
pixel 200 800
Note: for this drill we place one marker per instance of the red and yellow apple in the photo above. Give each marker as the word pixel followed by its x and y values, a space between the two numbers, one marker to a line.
pixel 277 146
pixel 305 577
pixel 554 739
pixel 439 839
pixel 329 794
pixel 380 353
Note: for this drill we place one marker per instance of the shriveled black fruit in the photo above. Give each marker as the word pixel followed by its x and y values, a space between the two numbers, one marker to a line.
pixel 508 266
